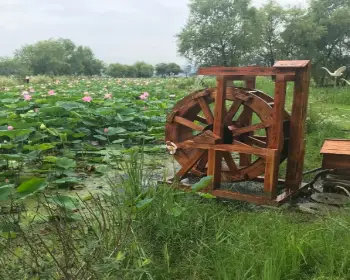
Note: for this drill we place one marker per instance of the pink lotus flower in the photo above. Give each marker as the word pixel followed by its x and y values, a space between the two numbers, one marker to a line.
pixel 105 130
pixel 146 94
pixel 87 99
pixel 10 127
pixel 142 97
pixel 51 92
pixel 27 97
pixel 108 96
pixel 86 93
pixel 25 93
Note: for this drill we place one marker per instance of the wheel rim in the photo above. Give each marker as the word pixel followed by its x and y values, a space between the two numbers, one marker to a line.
pixel 248 116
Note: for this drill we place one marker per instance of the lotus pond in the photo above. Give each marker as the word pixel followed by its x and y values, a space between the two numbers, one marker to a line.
pixel 55 135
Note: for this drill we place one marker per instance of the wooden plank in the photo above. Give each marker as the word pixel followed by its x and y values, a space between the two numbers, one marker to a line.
pixel 244 197
pixel 186 122
pixel 336 161
pixel 245 71
pixel 291 63
pixel 336 146
pixel 206 110
pixel 295 163
pixel 251 128
pixel 190 164
pixel 245 149
pixel 271 174
pixel 215 156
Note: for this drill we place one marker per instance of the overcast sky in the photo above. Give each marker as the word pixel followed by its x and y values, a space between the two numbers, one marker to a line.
pixel 122 31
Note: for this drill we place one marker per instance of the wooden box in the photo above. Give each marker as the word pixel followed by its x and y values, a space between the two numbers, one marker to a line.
pixel 336 154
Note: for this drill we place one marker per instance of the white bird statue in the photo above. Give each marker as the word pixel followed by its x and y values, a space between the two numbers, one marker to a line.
pixel 336 74
pixel 346 81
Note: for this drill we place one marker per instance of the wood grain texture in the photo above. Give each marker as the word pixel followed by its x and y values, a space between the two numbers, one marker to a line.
pixel 295 163
pixel 190 124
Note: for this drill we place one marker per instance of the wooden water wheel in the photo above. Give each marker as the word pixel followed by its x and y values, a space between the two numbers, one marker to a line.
pixel 248 119
pixel 236 134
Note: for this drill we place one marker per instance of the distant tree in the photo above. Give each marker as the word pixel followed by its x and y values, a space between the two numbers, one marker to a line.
pixel 272 20
pixel 117 70
pixel 161 69
pixel 219 32
pixel 11 66
pixel 173 69
pixel 59 57
pixel 143 70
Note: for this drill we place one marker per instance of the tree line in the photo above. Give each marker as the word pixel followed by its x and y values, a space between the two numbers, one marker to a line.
pixel 234 33
pixel 63 57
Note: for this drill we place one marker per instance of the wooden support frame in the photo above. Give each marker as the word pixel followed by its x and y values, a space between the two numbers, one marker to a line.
pixel 214 150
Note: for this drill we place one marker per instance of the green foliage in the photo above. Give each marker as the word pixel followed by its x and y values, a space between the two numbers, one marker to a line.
pixel 221 32
pixel 31 187
pixel 12 66
pixel 225 32
pixel 59 57
pixel 138 70
pixel 164 69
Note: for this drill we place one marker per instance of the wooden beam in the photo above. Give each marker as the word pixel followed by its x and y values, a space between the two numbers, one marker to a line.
pixel 245 71
pixel 215 156
pixel 189 164
pixel 245 149
pixel 295 161
pixel 206 110
pixel 245 197
pixel 186 122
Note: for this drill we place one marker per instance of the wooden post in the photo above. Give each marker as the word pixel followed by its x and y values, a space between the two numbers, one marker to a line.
pixel 215 156
pixel 295 162
pixel 271 174
pixel 272 161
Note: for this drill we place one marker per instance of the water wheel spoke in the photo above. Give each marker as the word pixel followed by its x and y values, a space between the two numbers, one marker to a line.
pixel 233 111
pixel 203 162
pixel 190 124
pixel 201 119
pixel 230 162
pixel 206 110
pixel 253 140
pixel 190 164
pixel 250 128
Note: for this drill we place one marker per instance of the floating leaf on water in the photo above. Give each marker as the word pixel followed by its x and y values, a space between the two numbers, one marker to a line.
pixel 100 137
pixel 5 191
pixel 67 180
pixel 65 163
pixel 65 201
pixel 202 184
pixel 30 187
pixel 102 168
pixel 15 133
pixel 118 141
pixel 39 147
